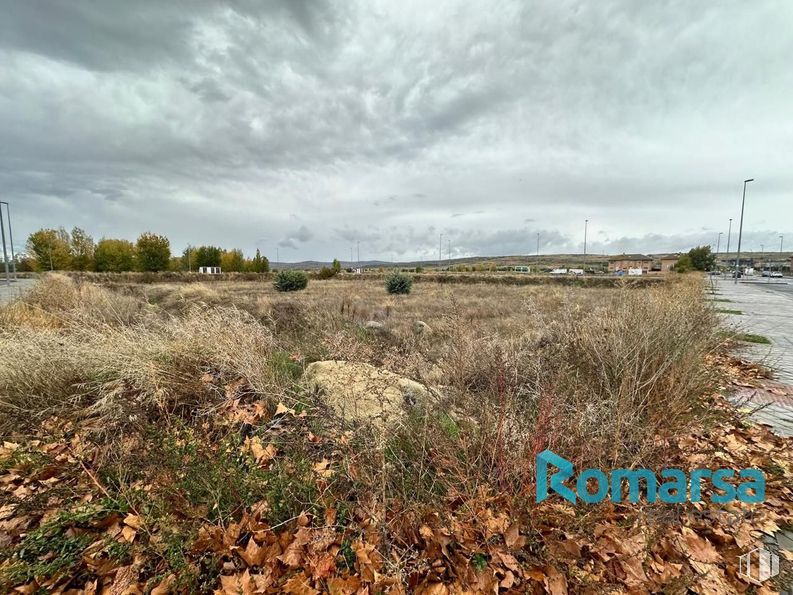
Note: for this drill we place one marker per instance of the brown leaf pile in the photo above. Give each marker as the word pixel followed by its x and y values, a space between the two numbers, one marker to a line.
pixel 485 544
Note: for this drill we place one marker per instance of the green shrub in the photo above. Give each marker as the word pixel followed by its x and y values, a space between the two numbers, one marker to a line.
pixel 290 280
pixel 326 273
pixel 398 283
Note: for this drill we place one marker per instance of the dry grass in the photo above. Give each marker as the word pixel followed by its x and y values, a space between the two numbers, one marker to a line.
pixel 598 374
pixel 176 376
pixel 107 356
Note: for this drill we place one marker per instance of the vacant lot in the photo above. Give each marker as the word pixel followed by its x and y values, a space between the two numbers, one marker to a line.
pixel 168 437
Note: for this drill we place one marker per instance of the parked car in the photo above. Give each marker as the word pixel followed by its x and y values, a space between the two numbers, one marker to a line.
pixel 777 274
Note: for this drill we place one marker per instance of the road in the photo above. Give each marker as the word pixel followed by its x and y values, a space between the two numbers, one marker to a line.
pixel 766 309
pixel 15 289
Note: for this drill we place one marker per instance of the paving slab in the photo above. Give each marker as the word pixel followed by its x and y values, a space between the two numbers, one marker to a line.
pixel 766 308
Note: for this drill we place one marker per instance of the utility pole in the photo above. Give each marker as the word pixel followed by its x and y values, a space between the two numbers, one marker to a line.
pixel 10 238
pixel 359 255
pixel 449 252
pixel 729 233
pixel 762 256
pixel 586 224
pixel 440 252
pixel 538 249
pixel 740 231
pixel 781 239
pixel 5 254
pixel 718 242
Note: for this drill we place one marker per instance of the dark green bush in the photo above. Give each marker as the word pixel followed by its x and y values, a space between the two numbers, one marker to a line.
pixel 326 273
pixel 290 280
pixel 398 283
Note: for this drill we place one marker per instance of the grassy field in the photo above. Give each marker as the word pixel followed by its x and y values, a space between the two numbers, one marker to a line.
pixel 162 434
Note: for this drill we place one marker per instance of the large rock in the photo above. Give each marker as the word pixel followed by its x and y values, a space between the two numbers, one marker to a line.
pixel 359 392
pixel 421 328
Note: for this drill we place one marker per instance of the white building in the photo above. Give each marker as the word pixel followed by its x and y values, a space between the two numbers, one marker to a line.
pixel 209 270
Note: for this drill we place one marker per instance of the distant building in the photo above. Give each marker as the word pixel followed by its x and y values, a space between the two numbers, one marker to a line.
pixel 209 270
pixel 623 262
pixel 664 262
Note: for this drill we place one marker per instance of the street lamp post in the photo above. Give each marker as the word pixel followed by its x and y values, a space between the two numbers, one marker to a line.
pixel 5 254
pixel 740 231
pixel 586 223
pixel 10 237
pixel 718 242
pixel 729 234
pixel 781 239
pixel 440 252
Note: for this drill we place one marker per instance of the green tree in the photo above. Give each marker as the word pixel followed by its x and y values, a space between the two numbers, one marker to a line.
pixel 259 263
pixel 683 264
pixel 154 252
pixel 336 266
pixel 82 248
pixel 50 249
pixel 702 259
pixel 206 256
pixel 188 259
pixel 114 256
pixel 232 261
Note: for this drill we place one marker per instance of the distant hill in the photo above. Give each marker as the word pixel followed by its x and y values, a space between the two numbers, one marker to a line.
pixel 544 260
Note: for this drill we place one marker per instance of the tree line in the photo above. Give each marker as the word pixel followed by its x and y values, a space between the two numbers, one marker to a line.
pixel 60 250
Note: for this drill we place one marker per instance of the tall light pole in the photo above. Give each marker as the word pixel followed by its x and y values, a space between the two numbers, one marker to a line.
pixel 729 233
pixel 781 239
pixel 740 230
pixel 10 238
pixel 718 242
pixel 440 252
pixel 359 256
pixel 5 254
pixel 538 248
pixel 586 223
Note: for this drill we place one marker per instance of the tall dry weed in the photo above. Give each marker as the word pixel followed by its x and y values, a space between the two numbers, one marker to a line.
pixel 114 371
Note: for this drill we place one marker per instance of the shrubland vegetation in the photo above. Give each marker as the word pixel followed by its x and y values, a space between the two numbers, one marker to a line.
pixel 290 281
pixel 398 283
pixel 160 436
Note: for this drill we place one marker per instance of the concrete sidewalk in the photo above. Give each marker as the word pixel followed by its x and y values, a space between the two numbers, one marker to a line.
pixel 766 309
pixel 15 289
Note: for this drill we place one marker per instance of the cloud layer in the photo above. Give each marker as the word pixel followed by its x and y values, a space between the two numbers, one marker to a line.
pixel 314 125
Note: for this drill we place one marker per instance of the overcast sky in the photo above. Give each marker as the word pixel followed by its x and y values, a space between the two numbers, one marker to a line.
pixel 315 125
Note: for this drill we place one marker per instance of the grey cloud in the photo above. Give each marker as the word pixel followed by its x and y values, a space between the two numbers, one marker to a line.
pixel 390 123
